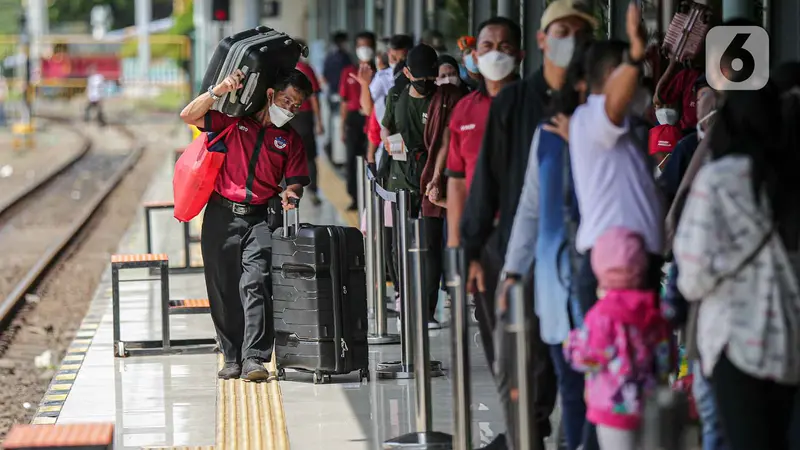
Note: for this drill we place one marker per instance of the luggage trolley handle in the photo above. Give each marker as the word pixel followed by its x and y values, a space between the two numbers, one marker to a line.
pixel 296 203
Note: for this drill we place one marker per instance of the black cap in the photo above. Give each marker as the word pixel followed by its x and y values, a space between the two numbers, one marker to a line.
pixel 423 62
pixel 401 42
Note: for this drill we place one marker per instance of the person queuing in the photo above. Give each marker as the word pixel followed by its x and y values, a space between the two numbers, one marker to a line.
pixel 244 211
pixel 449 74
pixel 308 124
pixel 500 172
pixel 335 61
pixel 406 117
pixel 737 247
pixel 352 120
pixel 469 69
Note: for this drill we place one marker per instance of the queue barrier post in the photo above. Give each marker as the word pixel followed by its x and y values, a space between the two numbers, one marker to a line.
pixel 376 273
pixel 454 279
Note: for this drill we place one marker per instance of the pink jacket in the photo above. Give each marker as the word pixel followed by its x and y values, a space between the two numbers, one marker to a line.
pixel 625 349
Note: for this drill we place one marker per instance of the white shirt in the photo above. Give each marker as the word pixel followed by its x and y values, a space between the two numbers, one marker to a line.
pixel 379 89
pixel 613 182
pixel 94 87
pixel 751 314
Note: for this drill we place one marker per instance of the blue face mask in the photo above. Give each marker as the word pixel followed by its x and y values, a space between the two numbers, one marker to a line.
pixel 469 63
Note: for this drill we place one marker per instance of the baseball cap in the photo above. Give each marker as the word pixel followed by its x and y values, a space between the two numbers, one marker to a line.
pixel 423 62
pixel 401 42
pixel 561 9
pixel 663 138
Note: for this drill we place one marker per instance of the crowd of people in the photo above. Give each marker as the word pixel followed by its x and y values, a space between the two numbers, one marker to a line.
pixel 631 202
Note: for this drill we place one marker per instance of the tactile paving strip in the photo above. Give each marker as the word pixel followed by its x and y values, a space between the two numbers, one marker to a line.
pixel 250 415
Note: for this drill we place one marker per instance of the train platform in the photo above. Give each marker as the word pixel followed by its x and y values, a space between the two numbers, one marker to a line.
pixel 172 400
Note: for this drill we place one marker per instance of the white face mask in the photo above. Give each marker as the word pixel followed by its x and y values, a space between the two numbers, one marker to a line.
pixel 454 80
pixel 496 66
pixel 365 54
pixel 560 50
pixel 666 116
pixel 701 133
pixel 279 116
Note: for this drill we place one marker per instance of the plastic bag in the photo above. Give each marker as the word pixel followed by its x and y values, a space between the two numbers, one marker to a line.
pixel 195 174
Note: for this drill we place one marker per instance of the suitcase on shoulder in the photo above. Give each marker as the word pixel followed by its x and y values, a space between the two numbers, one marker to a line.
pixel 687 31
pixel 260 53
pixel 319 296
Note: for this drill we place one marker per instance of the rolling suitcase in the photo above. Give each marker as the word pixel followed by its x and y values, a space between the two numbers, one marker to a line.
pixel 319 296
pixel 260 53
pixel 687 31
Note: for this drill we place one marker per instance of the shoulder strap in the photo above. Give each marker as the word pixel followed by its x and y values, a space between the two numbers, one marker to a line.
pixel 251 166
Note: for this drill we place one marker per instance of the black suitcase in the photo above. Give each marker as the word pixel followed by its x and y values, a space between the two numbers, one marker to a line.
pixel 319 296
pixel 260 53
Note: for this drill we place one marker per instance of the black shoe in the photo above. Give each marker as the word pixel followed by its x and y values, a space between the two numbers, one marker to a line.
pixel 230 371
pixel 254 370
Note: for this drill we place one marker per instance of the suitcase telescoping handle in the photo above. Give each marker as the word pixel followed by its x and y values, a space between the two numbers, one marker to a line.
pixel 296 203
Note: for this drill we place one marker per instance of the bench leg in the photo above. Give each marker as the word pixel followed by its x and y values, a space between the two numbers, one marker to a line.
pixel 115 307
pixel 165 305
pixel 187 245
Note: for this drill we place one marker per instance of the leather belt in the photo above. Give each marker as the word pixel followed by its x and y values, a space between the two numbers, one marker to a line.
pixel 239 209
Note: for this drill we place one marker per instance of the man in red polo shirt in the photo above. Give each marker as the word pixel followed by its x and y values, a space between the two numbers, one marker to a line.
pixel 352 120
pixel 308 124
pixel 242 213
pixel 497 55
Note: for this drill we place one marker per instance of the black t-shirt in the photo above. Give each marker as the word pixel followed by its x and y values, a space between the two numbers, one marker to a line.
pixel 406 115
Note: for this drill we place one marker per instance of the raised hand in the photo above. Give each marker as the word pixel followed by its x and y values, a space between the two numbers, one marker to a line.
pixel 635 30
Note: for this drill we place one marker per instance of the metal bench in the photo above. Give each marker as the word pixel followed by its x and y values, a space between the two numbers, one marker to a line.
pixel 159 262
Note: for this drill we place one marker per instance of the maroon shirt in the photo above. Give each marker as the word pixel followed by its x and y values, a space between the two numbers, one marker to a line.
pixel 254 177
pixel 467 125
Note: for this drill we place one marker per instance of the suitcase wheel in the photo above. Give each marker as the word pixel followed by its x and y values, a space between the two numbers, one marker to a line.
pixel 321 378
pixel 281 374
pixel 364 374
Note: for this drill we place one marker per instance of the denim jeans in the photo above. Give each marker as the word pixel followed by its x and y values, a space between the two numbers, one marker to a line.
pixel 707 410
pixel 573 406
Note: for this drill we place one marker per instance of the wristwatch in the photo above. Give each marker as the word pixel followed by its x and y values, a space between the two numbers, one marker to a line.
pixel 510 276
pixel 214 96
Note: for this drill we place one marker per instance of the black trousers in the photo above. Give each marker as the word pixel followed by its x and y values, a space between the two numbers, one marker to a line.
pixel 94 106
pixel 236 253
pixel 356 143
pixel 755 413
pixel 501 354
pixel 303 122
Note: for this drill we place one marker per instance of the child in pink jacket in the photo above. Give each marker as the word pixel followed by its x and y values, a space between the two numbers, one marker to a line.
pixel 624 346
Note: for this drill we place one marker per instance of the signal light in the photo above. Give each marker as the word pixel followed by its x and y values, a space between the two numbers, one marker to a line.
pixel 221 10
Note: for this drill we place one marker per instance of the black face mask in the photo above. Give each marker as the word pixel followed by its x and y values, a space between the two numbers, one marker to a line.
pixel 424 87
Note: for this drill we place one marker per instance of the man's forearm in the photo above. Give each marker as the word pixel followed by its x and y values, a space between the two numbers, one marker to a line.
pixel 456 196
pixel 198 107
pixel 366 100
pixel 315 108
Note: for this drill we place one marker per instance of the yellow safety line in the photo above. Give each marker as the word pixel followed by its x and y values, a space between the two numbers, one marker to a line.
pixel 53 400
pixel 250 416
pixel 335 190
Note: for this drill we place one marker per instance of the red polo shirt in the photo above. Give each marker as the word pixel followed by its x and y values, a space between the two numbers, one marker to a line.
pixel 679 90
pixel 350 89
pixel 312 77
pixel 253 176
pixel 467 124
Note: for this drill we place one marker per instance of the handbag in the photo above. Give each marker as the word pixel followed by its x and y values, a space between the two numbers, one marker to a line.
pixel 195 174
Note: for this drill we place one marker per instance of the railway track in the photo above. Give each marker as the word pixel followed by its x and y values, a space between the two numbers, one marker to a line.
pixel 40 222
